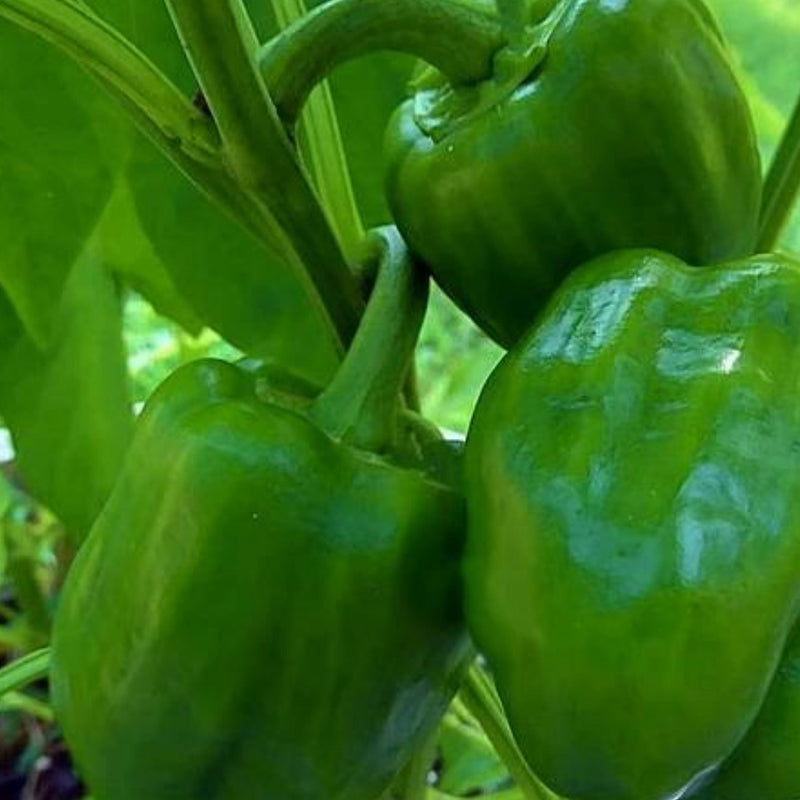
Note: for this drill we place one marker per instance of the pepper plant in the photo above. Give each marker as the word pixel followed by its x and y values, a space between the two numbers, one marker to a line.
pixel 282 580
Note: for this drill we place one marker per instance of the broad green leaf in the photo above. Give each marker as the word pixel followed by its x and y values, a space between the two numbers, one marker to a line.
pixel 149 26
pixel 56 155
pixel 198 265
pixel 64 150
pixel 67 405
pixel 248 294
pixel 124 247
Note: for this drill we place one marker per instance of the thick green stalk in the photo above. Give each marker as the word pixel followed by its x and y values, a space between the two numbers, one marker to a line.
pixel 362 404
pixel 220 43
pixel 781 187
pixel 482 702
pixel 325 149
pixel 458 40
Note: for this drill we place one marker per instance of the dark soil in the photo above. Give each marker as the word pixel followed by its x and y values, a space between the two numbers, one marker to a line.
pixel 34 763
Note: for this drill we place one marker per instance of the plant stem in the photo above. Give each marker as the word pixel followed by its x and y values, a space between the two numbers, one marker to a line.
pixel 782 185
pixel 458 40
pixel 325 149
pixel 25 670
pixel 220 43
pixel 362 403
pixel 98 47
pixel 480 699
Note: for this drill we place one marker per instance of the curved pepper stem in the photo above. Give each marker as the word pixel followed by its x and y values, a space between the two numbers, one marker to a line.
pixel 458 40
pixel 362 404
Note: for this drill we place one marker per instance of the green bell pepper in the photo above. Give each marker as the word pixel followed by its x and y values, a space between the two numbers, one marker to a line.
pixel 766 765
pixel 269 605
pixel 633 490
pixel 622 125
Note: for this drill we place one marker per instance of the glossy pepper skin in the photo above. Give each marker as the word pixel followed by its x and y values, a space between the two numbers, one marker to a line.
pixel 633 486
pixel 260 611
pixel 632 132
pixel 766 765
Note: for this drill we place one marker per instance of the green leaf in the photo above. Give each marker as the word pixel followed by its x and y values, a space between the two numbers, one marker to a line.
pixel 124 248
pixel 56 151
pixel 52 106
pixel 247 294
pixel 65 149
pixel 148 25
pixel 67 405
pixel 24 670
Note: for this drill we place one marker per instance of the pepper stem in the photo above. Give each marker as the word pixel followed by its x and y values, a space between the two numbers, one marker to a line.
pixel 458 40
pixel 362 404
